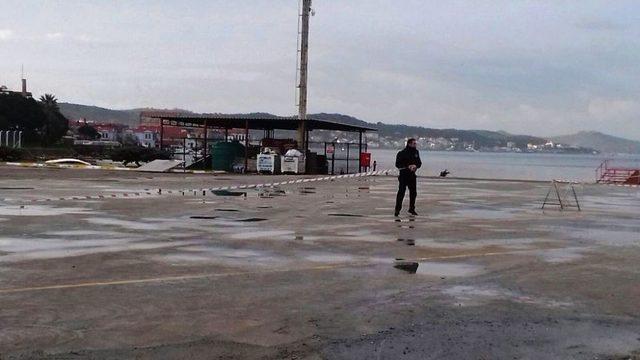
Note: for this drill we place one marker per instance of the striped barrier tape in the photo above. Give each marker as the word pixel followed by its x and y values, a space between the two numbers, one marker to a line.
pixel 578 182
pixel 203 191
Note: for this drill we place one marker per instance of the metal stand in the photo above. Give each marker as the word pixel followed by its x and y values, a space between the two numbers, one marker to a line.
pixel 558 196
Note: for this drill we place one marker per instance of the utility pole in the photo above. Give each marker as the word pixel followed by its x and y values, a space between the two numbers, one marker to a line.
pixel 302 85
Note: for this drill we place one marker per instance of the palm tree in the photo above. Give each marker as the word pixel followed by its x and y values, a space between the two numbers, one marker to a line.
pixel 50 102
pixel 55 125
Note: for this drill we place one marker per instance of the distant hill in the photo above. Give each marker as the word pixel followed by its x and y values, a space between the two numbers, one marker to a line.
pixel 601 142
pixel 482 138
pixel 479 137
pixel 98 114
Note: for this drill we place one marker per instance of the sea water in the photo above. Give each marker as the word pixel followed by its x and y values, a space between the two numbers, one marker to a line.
pixel 521 166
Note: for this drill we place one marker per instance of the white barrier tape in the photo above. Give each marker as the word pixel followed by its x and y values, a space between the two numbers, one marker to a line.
pixel 159 192
pixel 622 185
pixel 578 182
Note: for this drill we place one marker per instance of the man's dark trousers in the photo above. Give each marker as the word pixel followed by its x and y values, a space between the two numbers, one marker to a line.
pixel 406 179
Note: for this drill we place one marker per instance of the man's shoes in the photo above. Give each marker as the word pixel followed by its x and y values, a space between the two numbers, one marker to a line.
pixel 413 212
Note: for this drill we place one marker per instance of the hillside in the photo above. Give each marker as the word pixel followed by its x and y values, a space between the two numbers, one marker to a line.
pixel 94 113
pixel 602 142
pixel 98 114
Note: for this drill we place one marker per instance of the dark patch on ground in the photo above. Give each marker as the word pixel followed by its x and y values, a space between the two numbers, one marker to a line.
pixel 408 266
pixel 253 219
pixel 228 193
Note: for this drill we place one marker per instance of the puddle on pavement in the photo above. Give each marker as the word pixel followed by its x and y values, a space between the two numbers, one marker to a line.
pixel 20 249
pixel 223 255
pixel 222 251
pixel 608 237
pixel 83 233
pixel 329 258
pixel 443 269
pixel 562 255
pixel 345 215
pixel 265 234
pixel 359 235
pixel 466 295
pixel 40 210
pixel 485 214
pixel 514 243
pixel 127 224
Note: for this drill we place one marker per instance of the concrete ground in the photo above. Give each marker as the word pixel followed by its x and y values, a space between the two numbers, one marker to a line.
pixel 307 271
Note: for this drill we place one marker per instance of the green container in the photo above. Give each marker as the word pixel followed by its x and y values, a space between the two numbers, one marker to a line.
pixel 224 153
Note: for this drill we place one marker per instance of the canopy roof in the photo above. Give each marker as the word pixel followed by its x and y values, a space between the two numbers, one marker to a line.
pixel 256 123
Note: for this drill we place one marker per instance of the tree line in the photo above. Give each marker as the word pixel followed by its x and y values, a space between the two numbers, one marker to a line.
pixel 41 122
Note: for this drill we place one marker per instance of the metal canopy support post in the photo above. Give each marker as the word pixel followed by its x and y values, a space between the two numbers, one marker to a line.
pixel 348 146
pixel 333 158
pixel 204 147
pixel 306 142
pixel 246 145
pixel 161 132
pixel 360 152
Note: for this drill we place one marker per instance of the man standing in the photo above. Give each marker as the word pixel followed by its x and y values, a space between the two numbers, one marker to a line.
pixel 407 162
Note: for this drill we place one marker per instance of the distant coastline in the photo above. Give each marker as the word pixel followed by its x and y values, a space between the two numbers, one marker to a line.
pixel 392 136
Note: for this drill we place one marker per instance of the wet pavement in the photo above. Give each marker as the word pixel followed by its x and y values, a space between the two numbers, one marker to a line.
pixel 313 272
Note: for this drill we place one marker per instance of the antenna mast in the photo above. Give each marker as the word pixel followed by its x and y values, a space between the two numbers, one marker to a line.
pixel 302 85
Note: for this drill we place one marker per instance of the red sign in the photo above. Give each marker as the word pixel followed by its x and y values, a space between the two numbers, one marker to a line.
pixel 330 149
pixel 365 159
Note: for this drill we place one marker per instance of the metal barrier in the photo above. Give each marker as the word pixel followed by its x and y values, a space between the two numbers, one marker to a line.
pixel 11 138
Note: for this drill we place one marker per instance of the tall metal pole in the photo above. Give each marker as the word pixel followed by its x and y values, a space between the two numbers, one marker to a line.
pixel 302 86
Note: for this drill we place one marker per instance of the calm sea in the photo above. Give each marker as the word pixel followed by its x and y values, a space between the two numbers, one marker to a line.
pixel 509 165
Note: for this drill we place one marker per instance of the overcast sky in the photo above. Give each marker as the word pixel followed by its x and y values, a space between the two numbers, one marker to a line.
pixel 536 67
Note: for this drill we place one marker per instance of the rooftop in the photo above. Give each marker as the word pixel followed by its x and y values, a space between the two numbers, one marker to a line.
pixel 270 123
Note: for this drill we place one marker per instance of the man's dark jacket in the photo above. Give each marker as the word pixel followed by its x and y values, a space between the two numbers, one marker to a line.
pixel 407 156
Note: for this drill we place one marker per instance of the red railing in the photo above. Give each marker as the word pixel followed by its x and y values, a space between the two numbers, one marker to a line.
pixel 601 170
pixel 607 174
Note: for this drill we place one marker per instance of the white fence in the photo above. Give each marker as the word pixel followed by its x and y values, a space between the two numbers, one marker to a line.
pixel 11 138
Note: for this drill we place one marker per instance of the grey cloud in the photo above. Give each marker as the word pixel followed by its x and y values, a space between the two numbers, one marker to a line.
pixel 599 25
pixel 525 67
